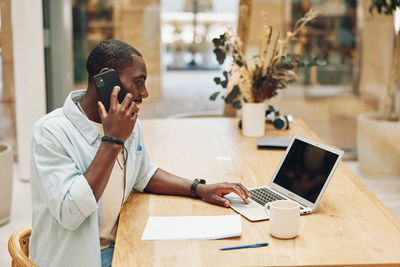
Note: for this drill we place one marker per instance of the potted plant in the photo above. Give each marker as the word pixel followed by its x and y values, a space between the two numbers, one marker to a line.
pixel 378 132
pixel 250 82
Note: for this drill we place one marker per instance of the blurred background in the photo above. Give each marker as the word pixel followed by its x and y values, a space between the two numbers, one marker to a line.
pixel 44 45
pixel 175 38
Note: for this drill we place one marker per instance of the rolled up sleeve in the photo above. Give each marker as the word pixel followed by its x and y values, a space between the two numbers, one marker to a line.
pixel 62 186
pixel 82 195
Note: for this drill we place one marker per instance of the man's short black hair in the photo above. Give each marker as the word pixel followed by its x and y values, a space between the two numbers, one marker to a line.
pixel 113 54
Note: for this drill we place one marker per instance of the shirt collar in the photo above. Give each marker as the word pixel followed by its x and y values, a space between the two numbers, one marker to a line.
pixel 89 131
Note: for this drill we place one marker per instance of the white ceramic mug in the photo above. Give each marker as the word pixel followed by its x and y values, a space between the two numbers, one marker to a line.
pixel 284 218
pixel 253 123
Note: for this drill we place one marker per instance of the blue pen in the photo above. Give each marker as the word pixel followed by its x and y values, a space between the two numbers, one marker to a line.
pixel 246 246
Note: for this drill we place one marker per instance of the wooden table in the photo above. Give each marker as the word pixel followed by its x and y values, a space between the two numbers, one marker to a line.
pixel 350 226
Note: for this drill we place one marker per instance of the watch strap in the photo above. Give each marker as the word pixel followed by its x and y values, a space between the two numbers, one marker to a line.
pixel 193 187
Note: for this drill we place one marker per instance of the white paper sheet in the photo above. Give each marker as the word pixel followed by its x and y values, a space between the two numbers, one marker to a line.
pixel 192 227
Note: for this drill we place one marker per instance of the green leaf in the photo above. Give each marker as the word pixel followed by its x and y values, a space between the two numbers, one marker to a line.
pixel 228 100
pixel 214 96
pixel 236 90
pixel 224 84
pixel 239 63
pixel 221 55
pixel 217 80
pixel 225 73
pixel 216 42
pixel 383 5
pixel 232 95
pixel 237 104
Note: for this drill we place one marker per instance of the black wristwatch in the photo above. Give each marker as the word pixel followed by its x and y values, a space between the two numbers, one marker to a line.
pixel 193 187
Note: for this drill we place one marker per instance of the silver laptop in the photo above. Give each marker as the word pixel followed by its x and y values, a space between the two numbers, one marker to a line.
pixel 302 176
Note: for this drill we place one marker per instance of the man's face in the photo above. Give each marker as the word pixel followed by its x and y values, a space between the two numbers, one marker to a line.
pixel 133 78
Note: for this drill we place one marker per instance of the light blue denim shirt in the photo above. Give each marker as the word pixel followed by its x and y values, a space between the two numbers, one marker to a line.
pixel 66 216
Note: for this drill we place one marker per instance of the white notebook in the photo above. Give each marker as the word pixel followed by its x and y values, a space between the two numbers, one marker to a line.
pixel 192 227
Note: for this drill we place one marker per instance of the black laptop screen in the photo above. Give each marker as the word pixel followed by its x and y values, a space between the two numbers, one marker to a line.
pixel 305 170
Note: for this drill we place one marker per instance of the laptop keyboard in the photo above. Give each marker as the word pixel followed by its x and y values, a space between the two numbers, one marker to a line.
pixel 263 195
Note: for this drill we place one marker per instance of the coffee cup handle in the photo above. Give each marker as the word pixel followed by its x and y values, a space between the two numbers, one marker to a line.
pixel 267 209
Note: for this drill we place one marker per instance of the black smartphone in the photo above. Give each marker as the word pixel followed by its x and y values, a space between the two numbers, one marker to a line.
pixel 104 83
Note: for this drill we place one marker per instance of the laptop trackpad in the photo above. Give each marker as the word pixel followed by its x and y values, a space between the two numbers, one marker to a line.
pixel 238 202
pixel 252 211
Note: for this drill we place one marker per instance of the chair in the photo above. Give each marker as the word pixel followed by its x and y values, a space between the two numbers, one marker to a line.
pixel 18 246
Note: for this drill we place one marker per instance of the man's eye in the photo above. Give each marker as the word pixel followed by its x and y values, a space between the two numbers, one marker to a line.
pixel 139 83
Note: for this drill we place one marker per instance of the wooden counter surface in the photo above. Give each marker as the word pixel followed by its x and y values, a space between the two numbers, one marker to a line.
pixel 350 226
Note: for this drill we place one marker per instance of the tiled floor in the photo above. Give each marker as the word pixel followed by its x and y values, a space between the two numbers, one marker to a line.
pixel 333 119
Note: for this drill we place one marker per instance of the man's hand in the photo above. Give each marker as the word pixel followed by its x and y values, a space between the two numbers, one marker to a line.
pixel 121 118
pixel 213 193
pixel 164 182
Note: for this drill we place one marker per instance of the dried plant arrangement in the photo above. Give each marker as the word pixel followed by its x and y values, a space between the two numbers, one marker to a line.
pixel 258 78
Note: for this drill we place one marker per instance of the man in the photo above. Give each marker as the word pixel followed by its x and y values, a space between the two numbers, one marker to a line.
pixel 81 175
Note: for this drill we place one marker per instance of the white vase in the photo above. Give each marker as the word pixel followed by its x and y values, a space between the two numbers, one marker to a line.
pixel 253 119
pixel 6 179
pixel 378 145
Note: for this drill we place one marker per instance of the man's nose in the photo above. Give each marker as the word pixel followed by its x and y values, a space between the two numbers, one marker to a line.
pixel 144 93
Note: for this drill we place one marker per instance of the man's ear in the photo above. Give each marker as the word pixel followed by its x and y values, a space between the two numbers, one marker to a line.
pixel 103 70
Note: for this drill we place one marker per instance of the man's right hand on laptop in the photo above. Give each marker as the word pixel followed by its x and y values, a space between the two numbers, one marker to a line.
pixel 213 193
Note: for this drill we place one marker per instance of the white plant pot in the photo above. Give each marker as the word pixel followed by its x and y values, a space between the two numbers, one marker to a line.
pixel 378 145
pixel 6 178
pixel 253 119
